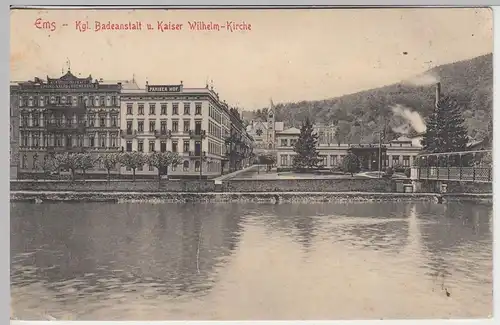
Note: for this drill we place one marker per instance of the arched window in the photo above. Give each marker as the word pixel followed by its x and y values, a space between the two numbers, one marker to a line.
pixel 185 165
pixel 197 166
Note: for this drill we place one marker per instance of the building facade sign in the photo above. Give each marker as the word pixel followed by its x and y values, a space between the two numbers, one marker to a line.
pixel 164 88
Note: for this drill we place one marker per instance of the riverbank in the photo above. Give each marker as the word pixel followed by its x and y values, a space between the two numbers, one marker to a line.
pixel 274 197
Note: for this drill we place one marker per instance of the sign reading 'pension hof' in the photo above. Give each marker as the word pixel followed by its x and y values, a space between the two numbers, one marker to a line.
pixel 164 89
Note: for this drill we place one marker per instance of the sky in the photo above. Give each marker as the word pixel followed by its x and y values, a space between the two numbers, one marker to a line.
pixel 287 55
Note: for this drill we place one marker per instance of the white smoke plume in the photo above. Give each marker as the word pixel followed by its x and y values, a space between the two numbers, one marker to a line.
pixel 426 79
pixel 414 119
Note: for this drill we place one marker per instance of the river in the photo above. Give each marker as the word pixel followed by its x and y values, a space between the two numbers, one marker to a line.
pixel 196 261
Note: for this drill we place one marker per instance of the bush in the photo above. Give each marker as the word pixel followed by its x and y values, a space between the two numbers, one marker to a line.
pixel 389 172
pixel 408 172
pixel 350 164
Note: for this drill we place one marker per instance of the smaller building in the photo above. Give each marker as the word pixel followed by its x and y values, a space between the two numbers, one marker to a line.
pixel 263 132
pixel 396 153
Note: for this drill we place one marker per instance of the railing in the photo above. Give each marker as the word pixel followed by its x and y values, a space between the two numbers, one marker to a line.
pixel 197 134
pixel 197 154
pixel 128 133
pixel 163 133
pixel 74 127
pixel 466 166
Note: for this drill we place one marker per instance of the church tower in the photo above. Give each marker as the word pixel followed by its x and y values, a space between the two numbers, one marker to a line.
pixel 271 124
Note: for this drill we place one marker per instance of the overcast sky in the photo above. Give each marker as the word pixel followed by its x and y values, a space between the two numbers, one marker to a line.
pixel 289 55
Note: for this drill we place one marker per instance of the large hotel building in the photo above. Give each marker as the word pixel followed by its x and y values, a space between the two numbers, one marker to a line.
pixel 72 114
pixel 192 122
pixel 67 114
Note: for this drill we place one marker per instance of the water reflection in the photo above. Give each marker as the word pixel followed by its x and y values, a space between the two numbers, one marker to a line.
pixel 98 261
pixel 124 245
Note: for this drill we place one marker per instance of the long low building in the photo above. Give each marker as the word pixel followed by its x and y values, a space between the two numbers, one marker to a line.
pixel 400 152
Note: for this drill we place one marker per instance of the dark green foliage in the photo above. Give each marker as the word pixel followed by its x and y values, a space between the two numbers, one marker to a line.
pixel 306 148
pixel 389 172
pixel 350 163
pixel 446 131
pixel 408 172
pixel 469 81
pixel 267 159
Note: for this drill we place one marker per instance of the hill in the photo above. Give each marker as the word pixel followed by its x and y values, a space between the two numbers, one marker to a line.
pixel 401 107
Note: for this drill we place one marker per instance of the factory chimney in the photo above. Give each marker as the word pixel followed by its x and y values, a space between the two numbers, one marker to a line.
pixel 438 93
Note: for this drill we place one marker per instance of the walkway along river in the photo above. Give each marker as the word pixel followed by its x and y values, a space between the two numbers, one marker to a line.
pixel 173 261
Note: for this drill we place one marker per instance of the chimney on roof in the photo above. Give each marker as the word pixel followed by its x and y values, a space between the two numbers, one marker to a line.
pixel 438 93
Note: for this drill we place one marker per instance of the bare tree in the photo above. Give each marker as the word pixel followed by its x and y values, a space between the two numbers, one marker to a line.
pixel 133 160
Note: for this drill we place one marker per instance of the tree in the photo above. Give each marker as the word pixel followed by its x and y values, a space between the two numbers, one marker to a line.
pixel 306 147
pixel 350 163
pixel 133 160
pixel 69 161
pixel 85 161
pixel 446 131
pixel 267 159
pixel 110 160
pixel 233 143
pixel 162 160
pixel 47 165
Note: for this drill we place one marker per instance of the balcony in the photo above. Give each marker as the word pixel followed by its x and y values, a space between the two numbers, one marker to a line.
pixel 65 107
pixel 128 134
pixel 73 128
pixel 163 134
pixel 196 154
pixel 197 134
pixel 59 149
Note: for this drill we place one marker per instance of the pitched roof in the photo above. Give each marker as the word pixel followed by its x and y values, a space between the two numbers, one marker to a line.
pixel 291 130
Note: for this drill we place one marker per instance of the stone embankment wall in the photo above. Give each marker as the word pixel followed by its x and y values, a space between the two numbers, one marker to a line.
pixel 371 185
pixel 276 198
pixel 115 186
pixel 311 185
pixel 292 185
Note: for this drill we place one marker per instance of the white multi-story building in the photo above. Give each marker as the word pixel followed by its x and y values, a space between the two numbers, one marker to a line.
pixel 192 122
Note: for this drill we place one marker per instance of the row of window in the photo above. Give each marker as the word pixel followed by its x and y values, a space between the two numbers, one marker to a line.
pixel 215 148
pixel 63 120
pixel 163 109
pixel 59 140
pixel 285 142
pixel 186 146
pixel 337 159
pixel 214 129
pixel 92 101
pixel 163 126
pixel 215 114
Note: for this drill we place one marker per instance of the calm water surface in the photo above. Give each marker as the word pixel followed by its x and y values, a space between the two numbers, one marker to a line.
pixel 133 261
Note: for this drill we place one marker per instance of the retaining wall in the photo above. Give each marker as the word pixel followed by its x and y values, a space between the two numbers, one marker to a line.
pixel 311 185
pixel 115 186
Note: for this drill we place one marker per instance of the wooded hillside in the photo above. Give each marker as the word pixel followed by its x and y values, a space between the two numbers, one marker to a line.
pixel 357 115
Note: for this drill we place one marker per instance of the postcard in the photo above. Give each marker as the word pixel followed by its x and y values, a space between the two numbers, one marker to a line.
pixel 251 164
